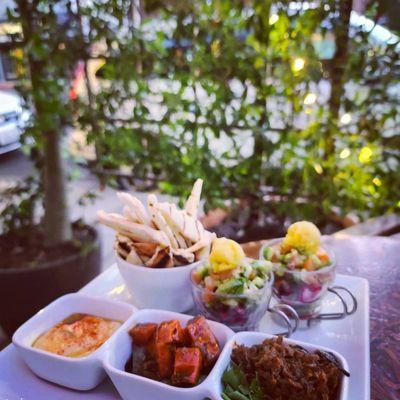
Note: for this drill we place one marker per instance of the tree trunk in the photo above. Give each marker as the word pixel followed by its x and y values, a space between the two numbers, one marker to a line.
pixel 57 225
pixel 339 64
pixel 339 61
pixel 262 32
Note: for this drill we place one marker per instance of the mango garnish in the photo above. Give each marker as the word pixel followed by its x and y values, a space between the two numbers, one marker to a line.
pixel 226 255
pixel 303 236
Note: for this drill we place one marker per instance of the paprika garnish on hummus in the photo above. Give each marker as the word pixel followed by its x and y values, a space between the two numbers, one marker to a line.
pixel 77 336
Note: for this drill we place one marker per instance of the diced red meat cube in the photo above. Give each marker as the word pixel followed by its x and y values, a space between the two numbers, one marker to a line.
pixel 187 366
pixel 165 359
pixel 170 332
pixel 151 348
pixel 143 333
pixel 201 336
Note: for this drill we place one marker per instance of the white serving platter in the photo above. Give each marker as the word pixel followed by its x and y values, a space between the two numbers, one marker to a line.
pixel 349 337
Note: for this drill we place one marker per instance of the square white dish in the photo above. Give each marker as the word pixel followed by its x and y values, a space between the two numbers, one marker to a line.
pixel 80 373
pixel 132 386
pixel 349 337
pixel 251 338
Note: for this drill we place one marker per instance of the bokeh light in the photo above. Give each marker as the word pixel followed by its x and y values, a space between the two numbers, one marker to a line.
pixel 273 19
pixel 376 181
pixel 298 64
pixel 345 153
pixel 318 169
pixel 346 118
pixel 311 98
pixel 365 155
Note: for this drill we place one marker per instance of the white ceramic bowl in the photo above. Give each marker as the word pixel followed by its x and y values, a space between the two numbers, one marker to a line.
pixel 159 288
pixel 135 387
pixel 252 338
pixel 83 373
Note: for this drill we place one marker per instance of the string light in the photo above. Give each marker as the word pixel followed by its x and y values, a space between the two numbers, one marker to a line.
pixel 365 155
pixel 308 110
pixel 346 118
pixel 376 181
pixel 273 18
pixel 345 153
pixel 311 98
pixel 298 64
pixel 216 48
pixel 318 169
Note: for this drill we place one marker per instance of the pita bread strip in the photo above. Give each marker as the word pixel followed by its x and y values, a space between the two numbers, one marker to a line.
pixel 183 258
pixel 130 214
pixel 122 244
pixel 160 259
pixel 137 232
pixel 174 228
pixel 180 221
pixel 204 252
pixel 123 239
pixel 205 241
pixel 192 203
pixel 183 253
pixel 134 258
pixel 120 251
pixel 159 221
pixel 146 249
pixel 191 229
pixel 137 206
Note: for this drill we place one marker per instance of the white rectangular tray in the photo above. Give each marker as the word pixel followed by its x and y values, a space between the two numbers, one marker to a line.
pixel 349 337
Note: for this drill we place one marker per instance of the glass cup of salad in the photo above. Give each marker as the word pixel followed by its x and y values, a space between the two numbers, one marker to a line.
pixel 303 269
pixel 239 301
pixel 233 289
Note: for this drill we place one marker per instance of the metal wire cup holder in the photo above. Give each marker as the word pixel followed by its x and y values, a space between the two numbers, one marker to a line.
pixel 346 311
pixel 288 315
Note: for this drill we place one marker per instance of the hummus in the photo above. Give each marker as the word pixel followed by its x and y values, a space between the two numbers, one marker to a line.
pixel 77 335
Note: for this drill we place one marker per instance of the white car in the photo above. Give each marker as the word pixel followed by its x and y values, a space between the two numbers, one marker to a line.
pixel 10 120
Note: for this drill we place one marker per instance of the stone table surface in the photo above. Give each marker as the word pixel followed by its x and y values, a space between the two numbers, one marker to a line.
pixel 376 259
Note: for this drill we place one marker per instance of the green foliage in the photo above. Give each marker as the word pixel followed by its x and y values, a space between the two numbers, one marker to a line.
pixel 275 108
pixel 225 91
pixel 46 56
pixel 18 206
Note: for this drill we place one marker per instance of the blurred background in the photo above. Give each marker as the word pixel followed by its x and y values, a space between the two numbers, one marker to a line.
pixel 287 109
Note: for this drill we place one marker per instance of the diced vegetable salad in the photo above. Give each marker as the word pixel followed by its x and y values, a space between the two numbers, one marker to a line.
pixel 247 278
pixel 303 270
pixel 293 259
pixel 231 288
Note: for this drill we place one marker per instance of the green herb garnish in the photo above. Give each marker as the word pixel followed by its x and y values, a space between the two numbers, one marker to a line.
pixel 237 387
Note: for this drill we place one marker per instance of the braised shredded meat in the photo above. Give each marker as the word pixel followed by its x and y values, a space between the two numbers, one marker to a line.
pixel 289 372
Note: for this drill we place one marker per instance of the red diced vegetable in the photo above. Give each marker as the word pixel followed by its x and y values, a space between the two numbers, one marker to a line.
pixel 309 265
pixel 187 366
pixel 323 256
pixel 142 333
pixel 196 276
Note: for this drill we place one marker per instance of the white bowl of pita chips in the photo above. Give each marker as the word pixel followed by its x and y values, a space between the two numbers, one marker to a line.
pixel 157 247
pixel 159 288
